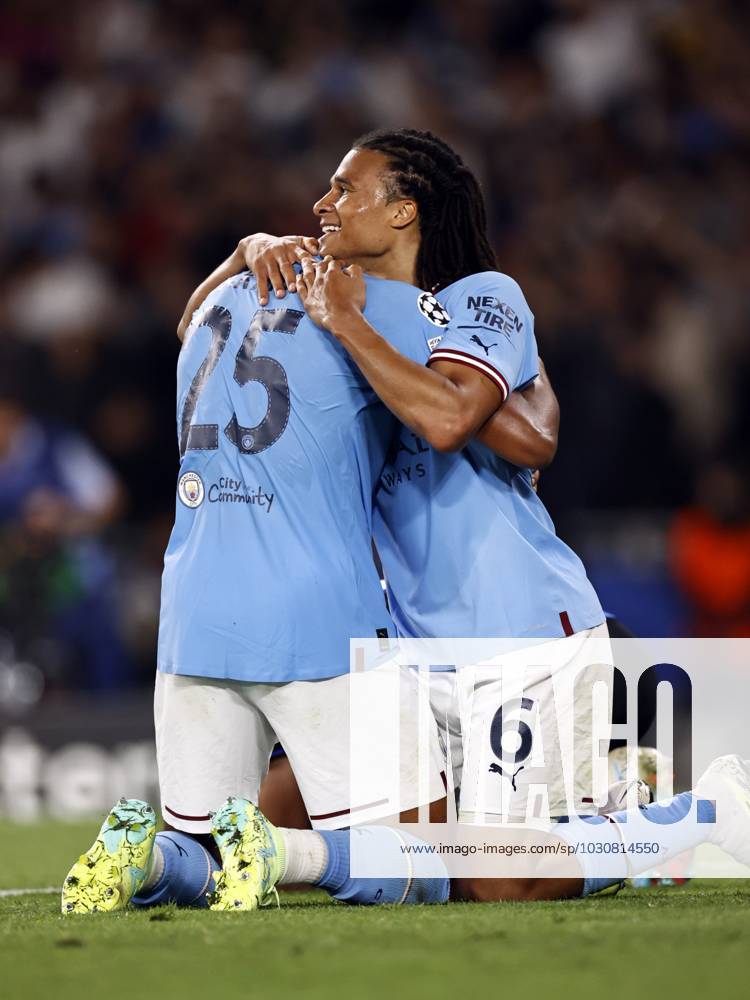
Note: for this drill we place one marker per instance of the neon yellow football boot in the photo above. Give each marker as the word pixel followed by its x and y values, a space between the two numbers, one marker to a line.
pixel 252 857
pixel 114 868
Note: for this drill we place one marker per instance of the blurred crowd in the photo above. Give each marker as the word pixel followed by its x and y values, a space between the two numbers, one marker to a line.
pixel 139 140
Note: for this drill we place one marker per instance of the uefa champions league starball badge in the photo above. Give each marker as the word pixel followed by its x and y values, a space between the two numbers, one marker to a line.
pixel 190 489
pixel 429 306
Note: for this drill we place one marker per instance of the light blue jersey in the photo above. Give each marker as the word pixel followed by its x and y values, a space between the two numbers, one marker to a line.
pixel 269 570
pixel 468 548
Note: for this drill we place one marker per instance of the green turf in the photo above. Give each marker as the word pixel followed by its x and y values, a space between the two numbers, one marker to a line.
pixel 686 942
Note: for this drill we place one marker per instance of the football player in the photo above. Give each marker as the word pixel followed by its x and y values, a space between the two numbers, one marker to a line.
pixel 267 574
pixel 467 547
pixel 377 199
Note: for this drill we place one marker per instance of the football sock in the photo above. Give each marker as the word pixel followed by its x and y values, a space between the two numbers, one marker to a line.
pixel 385 851
pixel 619 846
pixel 306 856
pixel 156 867
pixel 675 826
pixel 180 872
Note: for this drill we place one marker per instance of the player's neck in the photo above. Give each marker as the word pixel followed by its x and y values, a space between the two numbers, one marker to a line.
pixel 396 264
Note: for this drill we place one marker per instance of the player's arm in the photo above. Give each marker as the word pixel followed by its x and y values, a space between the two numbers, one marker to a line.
pixel 525 430
pixel 446 404
pixel 271 260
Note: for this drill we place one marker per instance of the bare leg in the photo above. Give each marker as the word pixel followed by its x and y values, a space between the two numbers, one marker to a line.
pixel 280 798
pixel 517 890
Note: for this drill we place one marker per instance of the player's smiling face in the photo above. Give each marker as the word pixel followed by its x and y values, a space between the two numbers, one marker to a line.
pixel 358 221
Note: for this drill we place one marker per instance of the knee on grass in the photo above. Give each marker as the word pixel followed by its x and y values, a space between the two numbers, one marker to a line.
pixel 516 890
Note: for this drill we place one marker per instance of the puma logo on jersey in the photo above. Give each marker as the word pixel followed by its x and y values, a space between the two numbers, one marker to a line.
pixel 496 769
pixel 485 347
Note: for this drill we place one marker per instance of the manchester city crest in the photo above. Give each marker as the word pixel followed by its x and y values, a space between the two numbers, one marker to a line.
pixel 190 489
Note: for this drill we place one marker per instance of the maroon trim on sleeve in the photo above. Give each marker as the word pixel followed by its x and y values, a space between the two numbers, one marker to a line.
pixel 565 622
pixel 463 358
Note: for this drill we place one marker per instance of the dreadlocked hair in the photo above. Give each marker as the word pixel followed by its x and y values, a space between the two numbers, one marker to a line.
pixel 452 216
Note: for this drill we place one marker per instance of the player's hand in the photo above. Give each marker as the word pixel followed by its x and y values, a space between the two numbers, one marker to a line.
pixel 272 260
pixel 331 291
pixel 535 476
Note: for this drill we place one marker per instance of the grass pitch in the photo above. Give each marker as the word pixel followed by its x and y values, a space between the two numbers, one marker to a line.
pixel 692 941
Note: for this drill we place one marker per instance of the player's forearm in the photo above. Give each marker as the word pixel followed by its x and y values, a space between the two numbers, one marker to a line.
pixel 430 404
pixel 232 265
pixel 525 430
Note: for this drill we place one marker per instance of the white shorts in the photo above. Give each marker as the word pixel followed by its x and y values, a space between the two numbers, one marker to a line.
pixel 214 739
pixel 529 740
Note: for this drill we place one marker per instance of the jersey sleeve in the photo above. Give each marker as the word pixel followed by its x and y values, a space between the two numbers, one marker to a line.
pixel 489 328
pixel 395 311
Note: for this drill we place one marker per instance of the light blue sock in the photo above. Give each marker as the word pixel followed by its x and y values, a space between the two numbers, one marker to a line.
pixel 673 811
pixel 386 848
pixel 186 878
pixel 673 826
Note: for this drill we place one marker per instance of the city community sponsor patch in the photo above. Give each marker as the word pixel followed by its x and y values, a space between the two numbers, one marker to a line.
pixel 228 490
pixel 192 492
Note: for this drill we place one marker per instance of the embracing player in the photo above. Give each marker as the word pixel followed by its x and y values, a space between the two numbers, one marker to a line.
pixel 467 547
pixel 267 575
pixel 392 191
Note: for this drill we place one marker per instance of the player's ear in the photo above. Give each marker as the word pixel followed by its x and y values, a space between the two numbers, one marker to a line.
pixel 404 213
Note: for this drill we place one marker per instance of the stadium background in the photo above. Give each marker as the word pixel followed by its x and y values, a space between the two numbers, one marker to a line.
pixel 139 140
